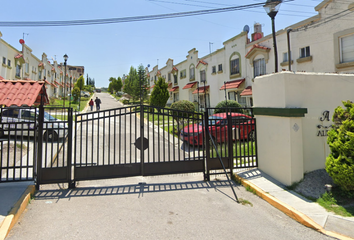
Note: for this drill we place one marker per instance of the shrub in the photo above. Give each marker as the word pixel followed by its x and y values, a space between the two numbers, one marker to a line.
pixel 340 162
pixel 228 106
pixel 185 109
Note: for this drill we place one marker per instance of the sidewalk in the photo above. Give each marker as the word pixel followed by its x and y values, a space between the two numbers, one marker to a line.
pixel 15 197
pixel 297 207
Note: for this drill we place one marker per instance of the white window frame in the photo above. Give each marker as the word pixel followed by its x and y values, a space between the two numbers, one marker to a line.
pixel 305 52
pixel 347 54
pixel 235 64
pixel 191 72
pixel 202 76
pixel 259 67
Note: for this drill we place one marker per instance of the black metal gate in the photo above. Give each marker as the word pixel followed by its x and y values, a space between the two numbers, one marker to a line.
pixel 231 141
pixel 133 141
pixel 122 142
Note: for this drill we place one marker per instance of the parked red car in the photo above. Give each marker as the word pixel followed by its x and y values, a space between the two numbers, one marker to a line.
pixel 242 128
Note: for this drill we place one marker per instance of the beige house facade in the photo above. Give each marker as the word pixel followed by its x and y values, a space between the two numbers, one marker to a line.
pixel 322 43
pixel 23 64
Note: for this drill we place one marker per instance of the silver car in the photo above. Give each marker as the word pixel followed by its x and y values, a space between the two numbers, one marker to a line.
pixel 18 121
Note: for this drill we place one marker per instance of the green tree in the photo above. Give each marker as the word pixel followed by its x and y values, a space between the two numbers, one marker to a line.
pixel 229 105
pixel 340 162
pixel 120 84
pixel 160 94
pixel 80 83
pixel 76 93
pixel 135 83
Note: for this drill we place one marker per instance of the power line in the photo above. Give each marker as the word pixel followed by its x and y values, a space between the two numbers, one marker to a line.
pixel 125 19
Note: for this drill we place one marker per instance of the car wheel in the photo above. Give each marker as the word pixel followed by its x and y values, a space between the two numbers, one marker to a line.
pixel 51 136
pixel 252 136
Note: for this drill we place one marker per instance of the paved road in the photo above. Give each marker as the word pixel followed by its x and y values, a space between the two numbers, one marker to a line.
pixel 163 207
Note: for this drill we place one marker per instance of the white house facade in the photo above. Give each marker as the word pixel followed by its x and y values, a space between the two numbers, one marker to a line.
pixel 322 43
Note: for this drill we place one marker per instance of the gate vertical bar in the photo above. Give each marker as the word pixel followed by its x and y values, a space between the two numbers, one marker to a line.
pixel 142 138
pixel 40 144
pixel 71 183
pixel 207 146
pixel 229 142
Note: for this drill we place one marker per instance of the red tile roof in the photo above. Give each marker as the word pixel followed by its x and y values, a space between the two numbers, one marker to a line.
pixel 174 69
pixel 202 62
pixel 174 89
pixel 1 78
pixel 201 89
pixel 53 69
pixel 19 56
pixel 189 85
pixel 40 64
pixel 256 46
pixel 247 91
pixel 54 85
pixel 59 84
pixel 169 85
pixel 22 92
pixel 232 84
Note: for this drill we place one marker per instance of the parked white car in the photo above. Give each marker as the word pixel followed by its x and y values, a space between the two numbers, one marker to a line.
pixel 24 123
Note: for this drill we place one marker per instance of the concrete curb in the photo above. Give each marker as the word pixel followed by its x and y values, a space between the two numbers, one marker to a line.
pixel 290 211
pixel 13 216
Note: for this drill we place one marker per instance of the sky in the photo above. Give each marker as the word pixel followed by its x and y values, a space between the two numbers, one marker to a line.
pixel 110 50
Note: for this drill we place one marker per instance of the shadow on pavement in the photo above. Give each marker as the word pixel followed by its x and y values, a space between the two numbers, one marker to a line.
pixel 139 189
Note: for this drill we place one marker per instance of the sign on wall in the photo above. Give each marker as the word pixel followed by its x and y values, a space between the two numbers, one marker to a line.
pixel 324 127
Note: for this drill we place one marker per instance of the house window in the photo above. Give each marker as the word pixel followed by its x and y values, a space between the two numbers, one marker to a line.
pixel 305 52
pixel 175 97
pixel 191 73
pixel 152 79
pixel 9 63
pixel 18 71
pixel 259 67
pixel 347 49
pixel 202 76
pixel 169 77
pixel 175 79
pixel 220 67
pixel 213 69
pixel 183 74
pixel 155 78
pixel 27 67
pixel 4 60
pixel 39 75
pixel 285 57
pixel 44 72
pixel 234 66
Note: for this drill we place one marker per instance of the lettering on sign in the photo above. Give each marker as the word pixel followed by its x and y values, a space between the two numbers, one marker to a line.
pixel 322 129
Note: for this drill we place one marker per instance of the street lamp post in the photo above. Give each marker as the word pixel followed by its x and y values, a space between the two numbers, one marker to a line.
pixel 65 59
pixel 272 8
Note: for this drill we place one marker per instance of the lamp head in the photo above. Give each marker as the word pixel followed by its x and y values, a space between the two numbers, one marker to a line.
pixel 272 7
pixel 65 57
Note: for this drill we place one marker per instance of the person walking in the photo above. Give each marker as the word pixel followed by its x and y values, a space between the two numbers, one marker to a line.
pixel 91 104
pixel 98 103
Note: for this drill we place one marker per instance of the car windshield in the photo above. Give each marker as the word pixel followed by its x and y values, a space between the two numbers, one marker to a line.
pixel 49 117
pixel 212 120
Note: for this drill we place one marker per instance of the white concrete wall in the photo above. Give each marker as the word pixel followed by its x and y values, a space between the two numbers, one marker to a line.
pixel 318 92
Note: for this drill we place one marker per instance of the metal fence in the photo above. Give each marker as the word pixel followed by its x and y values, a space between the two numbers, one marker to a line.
pixel 231 138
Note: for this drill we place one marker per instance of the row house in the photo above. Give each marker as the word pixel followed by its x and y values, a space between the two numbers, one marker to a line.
pixel 26 66
pixel 322 43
